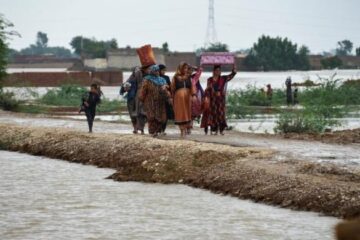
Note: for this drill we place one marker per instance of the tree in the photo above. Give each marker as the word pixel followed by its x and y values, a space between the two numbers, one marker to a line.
pixel 165 47
pixel 90 47
pixel 344 48
pixel 217 47
pixel 214 47
pixel 41 47
pixel 358 52
pixel 331 62
pixel 42 40
pixel 303 62
pixel 5 34
pixel 269 54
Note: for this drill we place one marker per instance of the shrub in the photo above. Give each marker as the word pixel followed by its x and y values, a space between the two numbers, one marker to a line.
pixel 303 122
pixel 8 101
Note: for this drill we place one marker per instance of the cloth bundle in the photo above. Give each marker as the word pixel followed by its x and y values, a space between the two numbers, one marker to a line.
pixel 146 55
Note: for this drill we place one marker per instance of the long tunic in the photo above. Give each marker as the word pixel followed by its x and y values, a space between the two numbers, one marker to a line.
pixel 182 90
pixel 154 99
pixel 138 104
pixel 196 104
pixel 215 117
pixel 169 107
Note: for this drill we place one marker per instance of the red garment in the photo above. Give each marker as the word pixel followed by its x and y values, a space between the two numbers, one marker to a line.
pixel 215 116
pixel 196 104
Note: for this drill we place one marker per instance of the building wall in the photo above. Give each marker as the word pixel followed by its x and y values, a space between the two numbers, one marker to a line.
pixel 54 79
pixel 350 61
pixel 315 62
pixel 41 65
pixel 173 60
pixel 97 63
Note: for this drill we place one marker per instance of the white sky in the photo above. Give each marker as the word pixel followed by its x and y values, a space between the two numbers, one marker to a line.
pixel 319 24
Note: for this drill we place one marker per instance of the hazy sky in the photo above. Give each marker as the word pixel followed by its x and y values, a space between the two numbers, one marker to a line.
pixel 319 24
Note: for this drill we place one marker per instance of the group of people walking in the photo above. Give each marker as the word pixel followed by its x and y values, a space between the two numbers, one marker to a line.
pixel 153 98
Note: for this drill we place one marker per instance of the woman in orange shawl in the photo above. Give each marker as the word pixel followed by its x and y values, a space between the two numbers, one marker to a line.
pixel 182 91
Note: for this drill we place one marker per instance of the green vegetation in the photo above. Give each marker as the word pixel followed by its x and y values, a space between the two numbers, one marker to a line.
pixel 331 62
pixel 307 121
pixel 32 108
pixel 41 48
pixel 91 47
pixel 108 106
pixel 66 95
pixel 321 105
pixel 215 47
pixel 270 54
pixel 7 101
pixel 344 48
pixel 165 47
pixel 70 96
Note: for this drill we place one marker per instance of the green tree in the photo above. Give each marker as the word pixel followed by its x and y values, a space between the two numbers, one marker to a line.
pixel 165 47
pixel 90 47
pixel 42 40
pixel 214 47
pixel 358 52
pixel 217 47
pixel 5 34
pixel 41 47
pixel 344 48
pixel 303 62
pixel 331 62
pixel 269 54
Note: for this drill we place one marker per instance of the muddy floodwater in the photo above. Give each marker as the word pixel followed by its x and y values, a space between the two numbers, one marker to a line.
pixel 241 80
pixel 42 198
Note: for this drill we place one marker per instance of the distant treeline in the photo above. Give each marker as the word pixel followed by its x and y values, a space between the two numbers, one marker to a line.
pixel 267 54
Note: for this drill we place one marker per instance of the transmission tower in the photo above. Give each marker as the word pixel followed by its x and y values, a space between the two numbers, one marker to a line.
pixel 211 36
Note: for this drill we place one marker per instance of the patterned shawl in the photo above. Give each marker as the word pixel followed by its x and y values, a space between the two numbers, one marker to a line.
pixel 157 80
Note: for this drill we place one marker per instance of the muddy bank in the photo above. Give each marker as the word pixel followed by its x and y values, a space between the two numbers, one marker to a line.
pixel 337 137
pixel 247 173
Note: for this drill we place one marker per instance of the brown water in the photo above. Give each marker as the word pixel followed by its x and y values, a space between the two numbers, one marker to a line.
pixel 42 198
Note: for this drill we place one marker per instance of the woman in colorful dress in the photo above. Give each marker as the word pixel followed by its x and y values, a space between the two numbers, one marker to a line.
pixel 183 92
pixel 199 92
pixel 215 116
pixel 154 94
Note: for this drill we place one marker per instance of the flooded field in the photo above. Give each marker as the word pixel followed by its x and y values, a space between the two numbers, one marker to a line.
pixel 42 198
pixel 242 79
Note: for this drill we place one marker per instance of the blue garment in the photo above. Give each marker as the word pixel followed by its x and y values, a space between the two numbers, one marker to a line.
pixel 132 91
pixel 157 80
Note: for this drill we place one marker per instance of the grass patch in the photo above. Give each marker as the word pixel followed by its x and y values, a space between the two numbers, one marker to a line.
pixel 32 109
pixel 107 106
pixel 66 95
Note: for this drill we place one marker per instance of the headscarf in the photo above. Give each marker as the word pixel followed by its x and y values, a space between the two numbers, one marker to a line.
pixel 179 68
pixel 157 80
pixel 162 66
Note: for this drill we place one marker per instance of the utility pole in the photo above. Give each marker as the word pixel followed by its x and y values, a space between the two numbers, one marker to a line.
pixel 211 36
